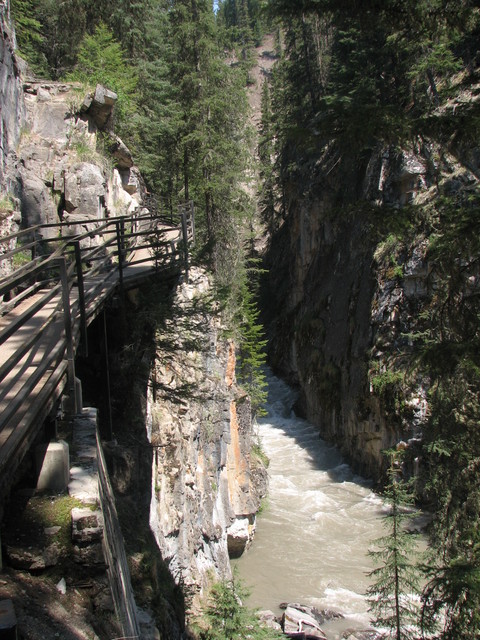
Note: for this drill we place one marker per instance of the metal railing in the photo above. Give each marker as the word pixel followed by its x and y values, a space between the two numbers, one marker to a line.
pixel 55 283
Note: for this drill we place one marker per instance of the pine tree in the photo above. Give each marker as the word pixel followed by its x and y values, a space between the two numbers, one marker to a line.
pixel 101 60
pixel 63 27
pixel 396 579
pixel 451 599
pixel 266 155
pixel 28 33
pixel 229 618
pixel 160 120
pixel 252 356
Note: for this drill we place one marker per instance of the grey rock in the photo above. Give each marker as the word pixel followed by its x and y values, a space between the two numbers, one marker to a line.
pixel 296 622
pixel 36 204
pixel 90 555
pixel 12 100
pixel 84 189
pixel 50 120
pixel 239 535
pixel 52 531
pixel 33 559
pixel 268 619
pixel 87 525
pixel 130 180
pixel 100 106
pixel 363 634
pixel 104 601
pixel 120 152
pixel 320 615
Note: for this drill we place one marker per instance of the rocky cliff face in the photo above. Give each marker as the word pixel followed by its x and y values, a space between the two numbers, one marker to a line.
pixel 12 119
pixel 11 98
pixel 206 483
pixel 343 295
pixel 65 171
pixel 59 158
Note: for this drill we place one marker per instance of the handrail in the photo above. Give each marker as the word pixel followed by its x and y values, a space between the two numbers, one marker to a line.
pixel 51 275
pixel 45 305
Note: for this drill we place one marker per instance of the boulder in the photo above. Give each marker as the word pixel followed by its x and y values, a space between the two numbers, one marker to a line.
pixel 99 106
pixel 90 555
pixel 298 623
pixel 84 190
pixel 120 152
pixel 130 180
pixel 320 615
pixel 239 535
pixel 268 619
pixel 36 203
pixel 362 634
pixel 87 525
pixel 33 559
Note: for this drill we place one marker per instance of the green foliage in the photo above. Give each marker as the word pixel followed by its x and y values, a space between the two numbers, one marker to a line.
pixel 6 206
pixel 266 154
pixel 363 75
pixel 28 33
pixel 258 452
pixel 63 25
pixel 453 595
pixel 228 618
pixel 252 355
pixel 101 60
pixel 49 32
pixel 244 22
pixel 386 382
pixel 448 352
pixel 396 579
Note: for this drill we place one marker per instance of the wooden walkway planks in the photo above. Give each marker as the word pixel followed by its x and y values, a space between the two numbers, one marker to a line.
pixel 34 351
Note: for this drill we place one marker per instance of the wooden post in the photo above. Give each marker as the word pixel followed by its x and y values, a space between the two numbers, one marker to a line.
pixel 81 296
pixel 67 318
pixel 192 220
pixel 107 378
pixel 119 225
pixel 185 243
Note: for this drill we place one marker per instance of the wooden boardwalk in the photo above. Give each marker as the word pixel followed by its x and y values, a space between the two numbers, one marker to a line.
pixel 50 301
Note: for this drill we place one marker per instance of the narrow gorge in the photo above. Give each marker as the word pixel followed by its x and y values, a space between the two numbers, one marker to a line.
pixel 308 372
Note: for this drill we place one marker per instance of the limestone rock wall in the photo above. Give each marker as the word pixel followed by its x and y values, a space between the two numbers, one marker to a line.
pixel 341 299
pixel 206 485
pixel 66 172
pixel 12 119
pixel 12 113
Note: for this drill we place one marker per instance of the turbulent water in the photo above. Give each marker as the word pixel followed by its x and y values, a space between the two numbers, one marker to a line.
pixel 312 539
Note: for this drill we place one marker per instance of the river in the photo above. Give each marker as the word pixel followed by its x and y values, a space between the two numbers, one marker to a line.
pixel 313 535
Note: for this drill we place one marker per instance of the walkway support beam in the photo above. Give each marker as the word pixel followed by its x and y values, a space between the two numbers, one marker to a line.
pixel 67 318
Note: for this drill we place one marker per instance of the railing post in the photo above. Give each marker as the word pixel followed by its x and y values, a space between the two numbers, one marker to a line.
pixel 81 296
pixel 185 242
pixel 67 317
pixel 107 379
pixel 120 227
pixel 192 220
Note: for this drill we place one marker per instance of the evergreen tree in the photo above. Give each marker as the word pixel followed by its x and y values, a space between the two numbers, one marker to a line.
pixel 160 119
pixel 63 27
pixel 229 619
pixel 252 357
pixel 101 60
pixel 28 33
pixel 451 599
pixel 266 154
pixel 397 576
